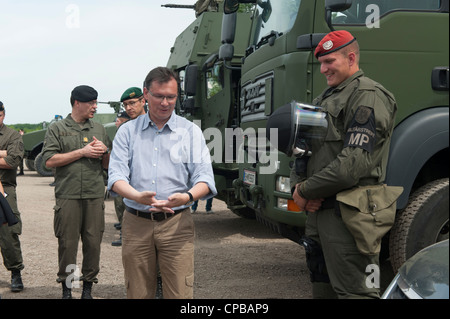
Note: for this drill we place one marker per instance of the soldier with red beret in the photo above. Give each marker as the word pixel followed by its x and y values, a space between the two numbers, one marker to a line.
pixel 352 157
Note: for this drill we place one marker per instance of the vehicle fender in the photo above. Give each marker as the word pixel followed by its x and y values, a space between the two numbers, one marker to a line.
pixel 414 141
pixel 36 150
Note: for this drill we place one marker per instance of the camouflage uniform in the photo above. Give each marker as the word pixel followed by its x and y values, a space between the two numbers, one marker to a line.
pixel 79 193
pixel 360 115
pixel 11 141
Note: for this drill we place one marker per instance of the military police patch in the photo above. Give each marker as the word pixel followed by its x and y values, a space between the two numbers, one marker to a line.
pixel 362 130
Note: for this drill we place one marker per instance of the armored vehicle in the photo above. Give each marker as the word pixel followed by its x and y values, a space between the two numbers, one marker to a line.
pixel 34 141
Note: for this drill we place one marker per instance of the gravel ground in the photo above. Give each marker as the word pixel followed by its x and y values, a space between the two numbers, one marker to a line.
pixel 235 258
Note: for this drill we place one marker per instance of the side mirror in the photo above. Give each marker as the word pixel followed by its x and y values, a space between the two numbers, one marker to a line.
pixel 338 5
pixel 226 52
pixel 335 6
pixel 267 9
pixel 190 81
pixel 188 105
pixel 229 27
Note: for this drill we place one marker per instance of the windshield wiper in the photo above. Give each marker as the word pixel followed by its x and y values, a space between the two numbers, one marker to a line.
pixel 270 38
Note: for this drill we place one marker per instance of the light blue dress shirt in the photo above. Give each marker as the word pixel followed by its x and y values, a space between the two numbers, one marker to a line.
pixel 167 161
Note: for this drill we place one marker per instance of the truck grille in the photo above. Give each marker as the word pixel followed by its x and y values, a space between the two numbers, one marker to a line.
pixel 254 98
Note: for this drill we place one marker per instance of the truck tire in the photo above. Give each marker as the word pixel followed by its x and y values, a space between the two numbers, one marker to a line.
pixel 29 163
pixel 423 222
pixel 40 166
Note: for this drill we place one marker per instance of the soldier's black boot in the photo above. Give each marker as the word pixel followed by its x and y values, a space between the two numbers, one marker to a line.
pixel 66 291
pixel 16 281
pixel 118 242
pixel 86 293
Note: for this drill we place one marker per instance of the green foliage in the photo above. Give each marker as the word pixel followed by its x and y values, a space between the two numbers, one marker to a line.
pixel 27 128
pixel 246 7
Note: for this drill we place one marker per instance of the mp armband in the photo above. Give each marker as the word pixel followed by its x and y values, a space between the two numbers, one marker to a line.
pixel 362 130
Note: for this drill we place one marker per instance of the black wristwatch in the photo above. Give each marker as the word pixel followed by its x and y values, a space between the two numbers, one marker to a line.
pixel 191 199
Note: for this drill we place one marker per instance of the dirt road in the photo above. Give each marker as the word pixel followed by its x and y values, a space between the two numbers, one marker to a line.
pixel 234 257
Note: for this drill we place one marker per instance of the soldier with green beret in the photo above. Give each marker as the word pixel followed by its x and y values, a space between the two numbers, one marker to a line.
pixel 348 163
pixel 11 154
pixel 133 102
pixel 78 149
pixel 119 206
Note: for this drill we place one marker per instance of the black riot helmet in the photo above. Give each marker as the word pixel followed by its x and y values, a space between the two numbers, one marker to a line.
pixel 297 125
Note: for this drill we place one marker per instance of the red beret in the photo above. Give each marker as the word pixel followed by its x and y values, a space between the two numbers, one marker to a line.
pixel 333 41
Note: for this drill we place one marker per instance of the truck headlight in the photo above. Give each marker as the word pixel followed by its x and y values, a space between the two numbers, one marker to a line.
pixel 283 184
pixel 287 205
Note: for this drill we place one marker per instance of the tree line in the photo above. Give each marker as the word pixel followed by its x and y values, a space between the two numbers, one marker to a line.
pixel 27 128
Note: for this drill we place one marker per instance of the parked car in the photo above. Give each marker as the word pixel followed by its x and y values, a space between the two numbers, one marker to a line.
pixel 423 276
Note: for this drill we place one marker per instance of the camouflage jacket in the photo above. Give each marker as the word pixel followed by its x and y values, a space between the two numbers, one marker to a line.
pixel 11 141
pixel 354 152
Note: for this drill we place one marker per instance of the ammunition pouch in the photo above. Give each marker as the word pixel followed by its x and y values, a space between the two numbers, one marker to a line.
pixel 315 260
pixel 369 213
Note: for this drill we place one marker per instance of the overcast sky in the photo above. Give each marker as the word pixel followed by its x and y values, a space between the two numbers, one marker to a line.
pixel 49 47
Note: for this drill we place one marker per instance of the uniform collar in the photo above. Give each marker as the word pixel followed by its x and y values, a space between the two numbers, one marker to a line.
pixel 71 122
pixel 344 84
pixel 355 75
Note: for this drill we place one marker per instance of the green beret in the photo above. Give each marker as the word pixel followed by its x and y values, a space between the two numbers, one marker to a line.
pixel 131 93
pixel 84 93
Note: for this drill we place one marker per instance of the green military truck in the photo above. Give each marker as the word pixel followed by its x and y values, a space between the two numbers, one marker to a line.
pixel 34 141
pixel 210 87
pixel 404 46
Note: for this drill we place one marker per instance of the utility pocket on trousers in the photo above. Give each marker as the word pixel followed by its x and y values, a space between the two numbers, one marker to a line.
pixel 369 213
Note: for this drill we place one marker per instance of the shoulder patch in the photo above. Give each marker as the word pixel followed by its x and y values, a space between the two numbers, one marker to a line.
pixel 362 114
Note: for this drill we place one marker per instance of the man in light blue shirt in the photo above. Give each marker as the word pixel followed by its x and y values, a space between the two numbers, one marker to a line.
pixel 160 164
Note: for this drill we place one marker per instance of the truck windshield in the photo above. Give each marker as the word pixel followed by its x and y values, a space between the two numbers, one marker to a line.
pixel 276 15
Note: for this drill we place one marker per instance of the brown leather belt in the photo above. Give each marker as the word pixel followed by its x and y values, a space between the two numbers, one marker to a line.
pixel 158 216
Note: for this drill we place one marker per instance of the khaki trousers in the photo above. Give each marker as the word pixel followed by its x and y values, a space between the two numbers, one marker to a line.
pixel 168 242
pixel 75 218
pixel 345 265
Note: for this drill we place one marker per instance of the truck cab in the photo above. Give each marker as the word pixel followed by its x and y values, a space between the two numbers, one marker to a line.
pixel 209 89
pixel 404 46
